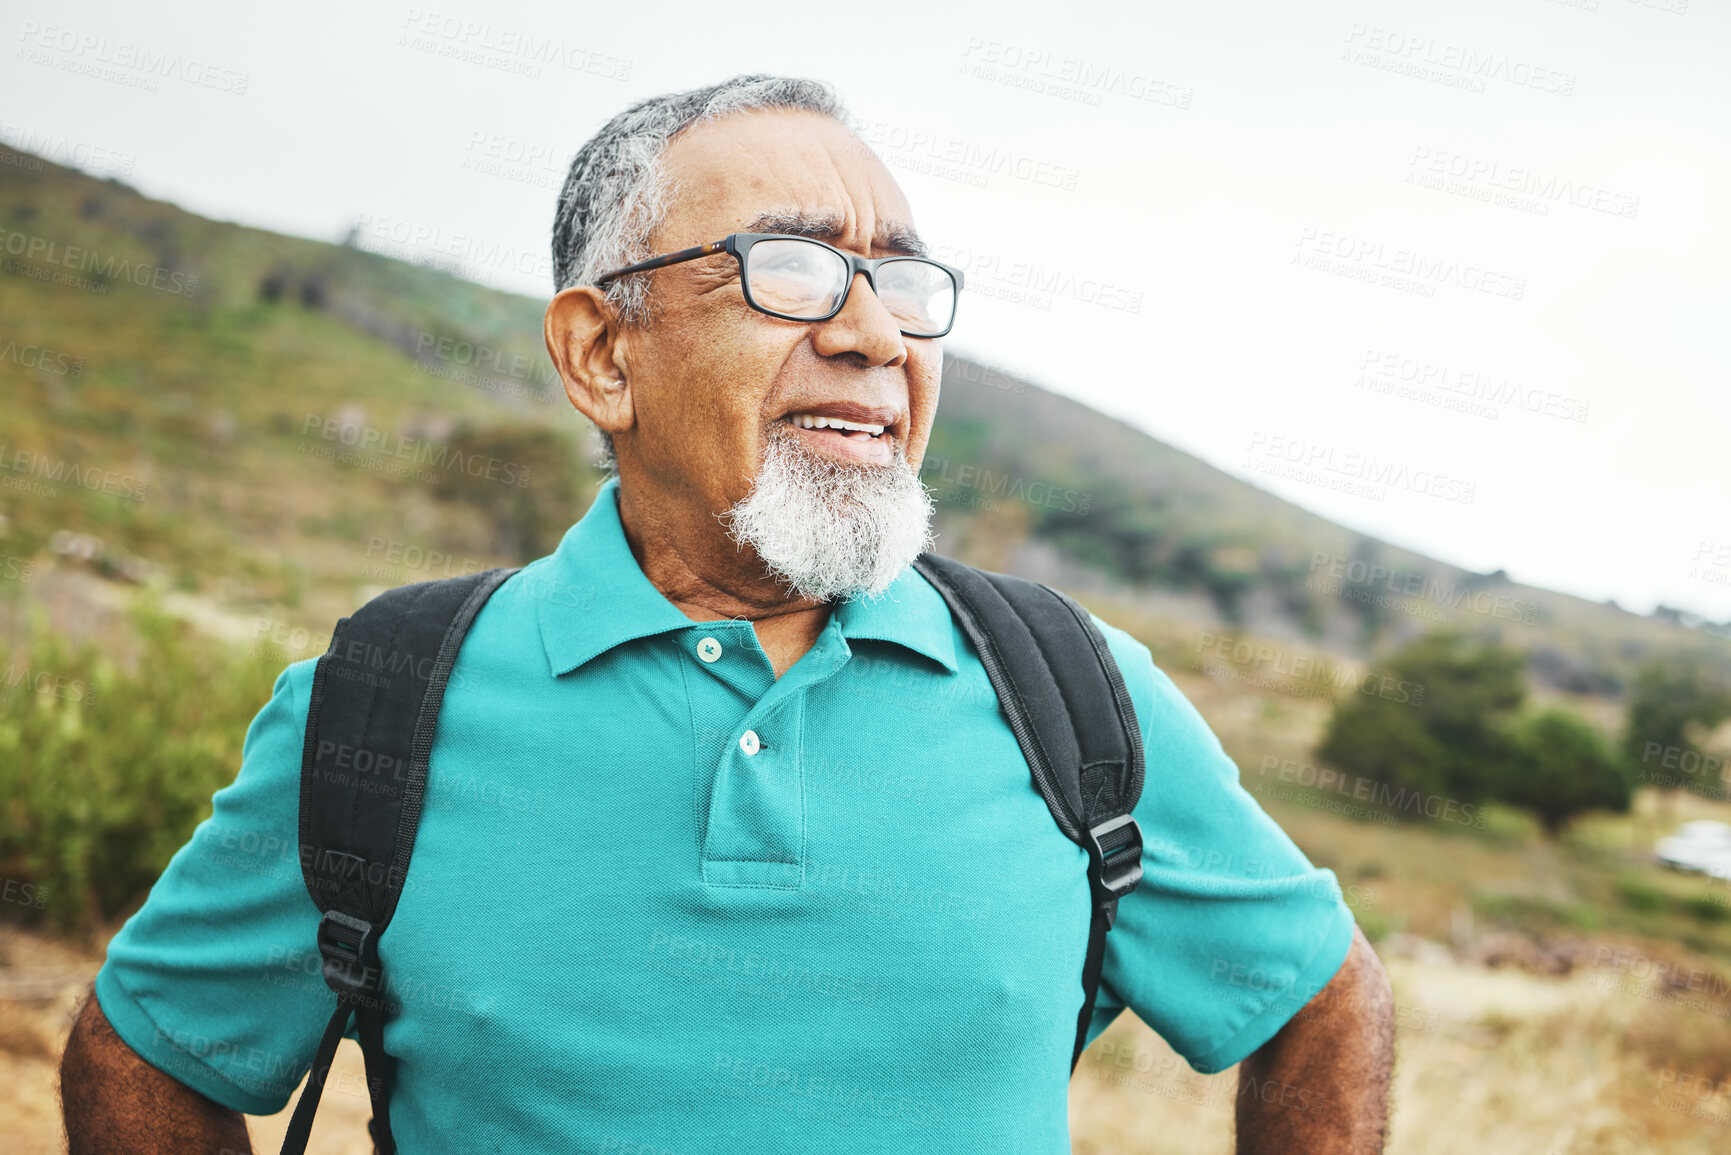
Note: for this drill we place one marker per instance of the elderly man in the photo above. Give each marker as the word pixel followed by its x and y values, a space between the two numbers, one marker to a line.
pixel 726 844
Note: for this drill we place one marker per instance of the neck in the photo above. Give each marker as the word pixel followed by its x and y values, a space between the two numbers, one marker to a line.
pixel 686 554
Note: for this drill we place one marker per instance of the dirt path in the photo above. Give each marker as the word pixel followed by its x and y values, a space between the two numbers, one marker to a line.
pixel 42 984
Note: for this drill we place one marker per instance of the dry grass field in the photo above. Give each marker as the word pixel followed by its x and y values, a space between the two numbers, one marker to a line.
pixel 1489 1060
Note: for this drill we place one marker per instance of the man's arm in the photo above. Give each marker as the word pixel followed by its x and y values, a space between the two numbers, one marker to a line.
pixel 115 1101
pixel 1320 1085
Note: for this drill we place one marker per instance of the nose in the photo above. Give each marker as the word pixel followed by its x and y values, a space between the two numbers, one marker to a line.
pixel 864 327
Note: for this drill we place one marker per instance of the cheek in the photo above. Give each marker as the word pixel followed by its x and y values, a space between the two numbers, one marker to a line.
pixel 717 386
pixel 729 386
pixel 703 363
pixel 923 390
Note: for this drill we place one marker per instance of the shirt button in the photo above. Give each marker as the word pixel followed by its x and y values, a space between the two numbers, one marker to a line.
pixel 709 649
pixel 748 742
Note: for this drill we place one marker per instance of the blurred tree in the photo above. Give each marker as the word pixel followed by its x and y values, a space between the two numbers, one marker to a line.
pixel 1385 742
pixel 1361 596
pixel 274 283
pixel 1561 766
pixel 1447 737
pixel 1671 697
pixel 526 479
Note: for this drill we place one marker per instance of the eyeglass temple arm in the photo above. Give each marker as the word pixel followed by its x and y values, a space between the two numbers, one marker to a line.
pixel 667 259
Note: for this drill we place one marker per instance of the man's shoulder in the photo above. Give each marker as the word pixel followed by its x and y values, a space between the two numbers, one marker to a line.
pixel 296 679
pixel 1129 652
pixel 1171 724
pixel 509 609
pixel 546 581
pixel 289 698
pixel 1147 683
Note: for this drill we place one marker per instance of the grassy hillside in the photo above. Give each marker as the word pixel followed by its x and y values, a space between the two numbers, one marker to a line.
pixel 267 437
pixel 275 426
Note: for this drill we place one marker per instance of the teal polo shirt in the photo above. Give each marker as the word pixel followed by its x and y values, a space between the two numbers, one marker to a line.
pixel 663 901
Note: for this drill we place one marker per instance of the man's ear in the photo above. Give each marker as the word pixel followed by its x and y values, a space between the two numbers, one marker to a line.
pixel 586 345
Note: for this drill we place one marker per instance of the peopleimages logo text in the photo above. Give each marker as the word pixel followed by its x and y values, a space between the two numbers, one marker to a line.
pixel 366 439
pixel 93 51
pixel 141 273
pixel 48 471
pixel 1356 574
pixel 1423 267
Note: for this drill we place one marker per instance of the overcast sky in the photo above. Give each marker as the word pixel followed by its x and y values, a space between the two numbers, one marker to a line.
pixel 1449 273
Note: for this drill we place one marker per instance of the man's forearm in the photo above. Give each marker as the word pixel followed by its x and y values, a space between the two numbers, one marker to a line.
pixel 1320 1085
pixel 114 1101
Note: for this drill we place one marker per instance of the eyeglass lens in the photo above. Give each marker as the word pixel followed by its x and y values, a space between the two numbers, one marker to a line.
pixel 803 279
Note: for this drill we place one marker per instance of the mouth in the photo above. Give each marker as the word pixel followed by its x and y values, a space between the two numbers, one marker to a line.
pixel 854 433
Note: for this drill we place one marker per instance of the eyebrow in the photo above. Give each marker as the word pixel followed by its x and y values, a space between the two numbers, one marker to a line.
pixel 891 237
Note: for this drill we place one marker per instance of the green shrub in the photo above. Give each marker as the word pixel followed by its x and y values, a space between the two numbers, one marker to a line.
pixel 1443 736
pixel 1707 908
pixel 1673 698
pixel 104 773
pixel 1533 913
pixel 1560 767
pixel 1637 895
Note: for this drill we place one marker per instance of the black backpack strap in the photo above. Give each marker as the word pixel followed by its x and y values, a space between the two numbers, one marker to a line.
pixel 369 736
pixel 1064 698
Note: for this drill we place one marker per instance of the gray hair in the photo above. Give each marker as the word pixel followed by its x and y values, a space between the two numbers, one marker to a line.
pixel 616 194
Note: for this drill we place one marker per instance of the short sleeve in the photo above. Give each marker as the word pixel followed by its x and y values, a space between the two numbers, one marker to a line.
pixel 216 980
pixel 1232 930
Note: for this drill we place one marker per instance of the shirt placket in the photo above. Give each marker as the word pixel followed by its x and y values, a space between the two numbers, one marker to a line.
pixel 755 833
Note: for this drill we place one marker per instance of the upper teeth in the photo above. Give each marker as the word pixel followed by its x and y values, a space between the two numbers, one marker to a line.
pixel 811 421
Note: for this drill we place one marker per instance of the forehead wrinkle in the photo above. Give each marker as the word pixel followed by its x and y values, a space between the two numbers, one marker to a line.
pixel 891 236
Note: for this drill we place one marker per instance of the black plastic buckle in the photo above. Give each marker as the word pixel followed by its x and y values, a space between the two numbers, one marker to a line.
pixel 1115 858
pixel 350 949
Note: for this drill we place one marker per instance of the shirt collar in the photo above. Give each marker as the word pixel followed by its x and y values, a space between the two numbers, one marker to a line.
pixel 909 613
pixel 592 595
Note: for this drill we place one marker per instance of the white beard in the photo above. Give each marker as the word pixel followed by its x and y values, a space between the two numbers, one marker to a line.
pixel 830 529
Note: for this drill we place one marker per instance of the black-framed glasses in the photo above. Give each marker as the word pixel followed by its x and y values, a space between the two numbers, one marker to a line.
pixel 802 279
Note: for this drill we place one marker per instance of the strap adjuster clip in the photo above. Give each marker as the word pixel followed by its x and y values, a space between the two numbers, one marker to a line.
pixel 350 949
pixel 1114 858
